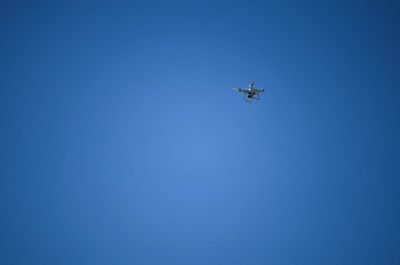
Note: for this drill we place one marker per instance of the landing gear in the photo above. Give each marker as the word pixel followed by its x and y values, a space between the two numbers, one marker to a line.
pixel 244 98
pixel 251 96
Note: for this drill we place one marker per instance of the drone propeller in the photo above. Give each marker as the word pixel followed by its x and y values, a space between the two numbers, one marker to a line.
pixel 237 89
pixel 251 85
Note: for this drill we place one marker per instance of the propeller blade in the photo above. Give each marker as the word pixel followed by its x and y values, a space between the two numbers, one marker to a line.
pixel 251 85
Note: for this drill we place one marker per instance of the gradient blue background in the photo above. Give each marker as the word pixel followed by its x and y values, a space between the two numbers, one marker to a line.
pixel 122 141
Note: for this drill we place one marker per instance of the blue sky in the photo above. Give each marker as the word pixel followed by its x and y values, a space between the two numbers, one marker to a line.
pixel 122 141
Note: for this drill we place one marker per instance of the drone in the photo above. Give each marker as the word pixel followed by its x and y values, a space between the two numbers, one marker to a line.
pixel 250 92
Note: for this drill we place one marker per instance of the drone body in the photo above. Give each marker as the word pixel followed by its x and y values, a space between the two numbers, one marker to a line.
pixel 250 92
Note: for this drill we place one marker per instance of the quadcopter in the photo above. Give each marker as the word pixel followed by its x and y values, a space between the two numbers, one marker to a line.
pixel 250 92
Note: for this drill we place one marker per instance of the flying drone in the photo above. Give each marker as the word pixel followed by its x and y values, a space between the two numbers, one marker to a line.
pixel 250 92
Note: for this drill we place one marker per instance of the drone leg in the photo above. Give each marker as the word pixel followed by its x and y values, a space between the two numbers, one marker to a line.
pixel 248 101
pixel 244 98
pixel 258 96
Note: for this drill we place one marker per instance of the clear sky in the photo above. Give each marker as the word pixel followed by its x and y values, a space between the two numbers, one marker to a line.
pixel 122 141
